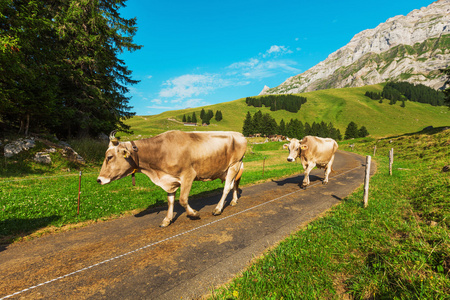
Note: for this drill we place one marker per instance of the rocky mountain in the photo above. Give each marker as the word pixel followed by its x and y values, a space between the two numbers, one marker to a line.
pixel 406 48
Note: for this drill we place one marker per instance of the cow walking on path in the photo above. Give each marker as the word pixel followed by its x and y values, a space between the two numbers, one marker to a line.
pixel 313 151
pixel 175 159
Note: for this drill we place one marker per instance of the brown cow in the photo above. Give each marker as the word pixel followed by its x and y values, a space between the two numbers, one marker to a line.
pixel 313 151
pixel 175 159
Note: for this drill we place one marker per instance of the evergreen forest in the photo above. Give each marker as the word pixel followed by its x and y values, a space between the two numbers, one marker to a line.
pixel 266 125
pixel 401 91
pixel 59 67
pixel 291 103
pixel 205 117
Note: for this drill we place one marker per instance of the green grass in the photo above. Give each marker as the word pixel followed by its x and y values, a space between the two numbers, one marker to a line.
pixel 339 106
pixel 397 248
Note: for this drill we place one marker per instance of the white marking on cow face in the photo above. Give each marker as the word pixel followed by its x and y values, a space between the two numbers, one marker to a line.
pixel 102 180
pixel 294 150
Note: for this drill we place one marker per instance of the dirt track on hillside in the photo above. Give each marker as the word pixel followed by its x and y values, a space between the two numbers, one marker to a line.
pixel 132 258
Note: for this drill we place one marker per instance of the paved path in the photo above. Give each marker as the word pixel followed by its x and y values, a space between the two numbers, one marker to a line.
pixel 132 258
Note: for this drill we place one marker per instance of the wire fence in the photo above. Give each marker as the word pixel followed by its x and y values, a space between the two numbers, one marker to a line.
pixel 27 204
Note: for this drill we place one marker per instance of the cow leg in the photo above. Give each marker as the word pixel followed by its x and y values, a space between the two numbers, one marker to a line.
pixel 168 219
pixel 236 185
pixel 310 166
pixel 328 170
pixel 229 183
pixel 185 188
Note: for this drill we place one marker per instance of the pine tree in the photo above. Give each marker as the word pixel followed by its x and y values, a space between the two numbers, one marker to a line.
pixel 268 125
pixel 282 128
pixel 308 130
pixel 218 116
pixel 93 34
pixel 257 122
pixel 194 118
pixel 338 135
pixel 202 114
pixel 210 114
pixel 184 119
pixel 362 132
pixel 247 128
pixel 351 131
pixel 447 90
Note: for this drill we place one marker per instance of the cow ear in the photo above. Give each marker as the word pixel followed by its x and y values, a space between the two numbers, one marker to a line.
pixel 288 139
pixel 303 147
pixel 125 153
pixel 285 146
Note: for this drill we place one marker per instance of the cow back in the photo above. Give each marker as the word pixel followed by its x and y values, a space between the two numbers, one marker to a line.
pixel 320 150
pixel 208 154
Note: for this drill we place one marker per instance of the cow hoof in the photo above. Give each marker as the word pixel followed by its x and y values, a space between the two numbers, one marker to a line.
pixel 233 203
pixel 194 217
pixel 165 223
pixel 217 212
pixel 324 182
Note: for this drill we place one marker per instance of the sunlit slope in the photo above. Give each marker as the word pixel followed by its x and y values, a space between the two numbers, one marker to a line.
pixel 339 106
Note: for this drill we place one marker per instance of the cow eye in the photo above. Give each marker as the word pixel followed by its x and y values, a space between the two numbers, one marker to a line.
pixel 109 158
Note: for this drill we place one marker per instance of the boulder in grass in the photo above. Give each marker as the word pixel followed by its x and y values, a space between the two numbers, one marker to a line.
pixel 42 158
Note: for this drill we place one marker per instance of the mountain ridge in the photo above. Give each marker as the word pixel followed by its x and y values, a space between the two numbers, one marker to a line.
pixel 418 29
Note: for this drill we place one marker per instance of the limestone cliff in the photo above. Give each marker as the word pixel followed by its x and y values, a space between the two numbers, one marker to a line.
pixel 408 48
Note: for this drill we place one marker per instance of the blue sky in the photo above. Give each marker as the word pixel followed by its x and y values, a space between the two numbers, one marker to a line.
pixel 197 53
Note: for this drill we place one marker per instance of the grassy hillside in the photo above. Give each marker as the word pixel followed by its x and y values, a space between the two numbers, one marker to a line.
pixel 396 248
pixel 339 106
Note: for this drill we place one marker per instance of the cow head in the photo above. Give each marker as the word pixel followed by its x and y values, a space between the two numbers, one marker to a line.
pixel 118 162
pixel 295 147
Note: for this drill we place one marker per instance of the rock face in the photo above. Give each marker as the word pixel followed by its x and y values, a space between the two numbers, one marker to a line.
pixel 408 48
pixel 264 90
pixel 42 158
pixel 18 146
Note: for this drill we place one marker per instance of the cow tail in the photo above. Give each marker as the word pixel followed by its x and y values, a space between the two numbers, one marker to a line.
pixel 239 174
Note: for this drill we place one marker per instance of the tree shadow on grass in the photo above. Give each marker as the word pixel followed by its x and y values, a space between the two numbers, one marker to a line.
pixel 11 229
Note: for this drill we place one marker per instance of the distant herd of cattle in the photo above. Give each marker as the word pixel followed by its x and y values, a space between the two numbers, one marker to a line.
pixel 175 159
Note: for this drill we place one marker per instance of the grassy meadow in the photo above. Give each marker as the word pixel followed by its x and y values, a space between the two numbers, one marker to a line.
pixel 396 248
pixel 339 106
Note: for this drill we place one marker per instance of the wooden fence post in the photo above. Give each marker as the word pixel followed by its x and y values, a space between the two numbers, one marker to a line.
pixel 264 162
pixel 374 150
pixel 366 181
pixel 79 193
pixel 391 160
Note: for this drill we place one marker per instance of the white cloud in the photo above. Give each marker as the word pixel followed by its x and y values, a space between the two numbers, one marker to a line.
pixel 251 63
pixel 176 104
pixel 189 85
pixel 149 77
pixel 258 69
pixel 277 50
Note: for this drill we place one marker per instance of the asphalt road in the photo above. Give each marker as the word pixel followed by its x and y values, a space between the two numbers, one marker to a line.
pixel 132 258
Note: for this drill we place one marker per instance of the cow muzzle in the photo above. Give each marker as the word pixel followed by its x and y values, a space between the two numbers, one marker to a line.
pixel 290 159
pixel 103 180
